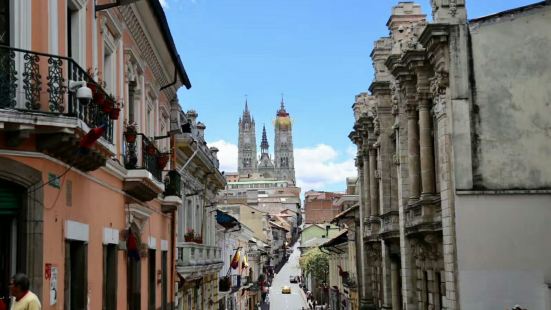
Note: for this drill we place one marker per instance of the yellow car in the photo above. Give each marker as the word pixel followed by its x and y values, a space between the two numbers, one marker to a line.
pixel 286 290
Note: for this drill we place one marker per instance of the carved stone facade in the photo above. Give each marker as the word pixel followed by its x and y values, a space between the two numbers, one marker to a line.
pixel 417 150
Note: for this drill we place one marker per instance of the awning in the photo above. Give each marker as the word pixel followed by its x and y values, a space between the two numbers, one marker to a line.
pixel 225 220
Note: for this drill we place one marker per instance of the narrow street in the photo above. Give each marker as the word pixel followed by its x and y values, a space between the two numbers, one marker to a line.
pixel 295 300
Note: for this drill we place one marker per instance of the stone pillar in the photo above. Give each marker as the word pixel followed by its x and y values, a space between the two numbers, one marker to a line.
pixel 426 145
pixel 373 183
pixel 395 284
pixel 413 152
pixel 367 184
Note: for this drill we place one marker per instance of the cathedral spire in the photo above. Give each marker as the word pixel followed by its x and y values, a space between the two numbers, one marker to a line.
pixel 264 146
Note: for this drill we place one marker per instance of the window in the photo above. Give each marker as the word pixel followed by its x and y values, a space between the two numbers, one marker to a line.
pixel 76 31
pixel 110 277
pixel 5 22
pixel 149 119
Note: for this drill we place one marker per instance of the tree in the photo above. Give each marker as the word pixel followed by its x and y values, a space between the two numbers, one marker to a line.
pixel 315 263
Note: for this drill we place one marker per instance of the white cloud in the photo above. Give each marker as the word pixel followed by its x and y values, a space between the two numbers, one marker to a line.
pixel 164 4
pixel 318 167
pixel 227 155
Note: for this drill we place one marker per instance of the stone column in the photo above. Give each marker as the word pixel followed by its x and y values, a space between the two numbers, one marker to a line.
pixel 395 284
pixel 373 183
pixel 413 151
pixel 426 145
pixel 367 183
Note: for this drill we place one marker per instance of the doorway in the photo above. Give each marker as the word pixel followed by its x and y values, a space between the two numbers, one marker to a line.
pixel 11 202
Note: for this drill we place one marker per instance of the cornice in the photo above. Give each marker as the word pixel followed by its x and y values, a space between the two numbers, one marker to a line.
pixel 434 35
pixel 380 87
pixel 142 40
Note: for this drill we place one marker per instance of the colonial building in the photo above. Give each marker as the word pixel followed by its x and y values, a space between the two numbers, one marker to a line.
pixel 199 258
pixel 282 166
pixel 85 144
pixel 451 162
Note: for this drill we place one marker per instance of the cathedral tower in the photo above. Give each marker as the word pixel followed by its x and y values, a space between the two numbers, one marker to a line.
pixel 265 166
pixel 284 160
pixel 247 144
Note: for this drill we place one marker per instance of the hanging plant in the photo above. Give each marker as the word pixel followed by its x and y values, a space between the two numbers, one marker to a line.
pixel 189 235
pixel 131 133
pixel 114 113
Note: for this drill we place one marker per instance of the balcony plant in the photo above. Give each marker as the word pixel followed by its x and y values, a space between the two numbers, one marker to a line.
pixel 108 104
pixel 115 112
pixel 189 236
pixel 198 238
pixel 131 132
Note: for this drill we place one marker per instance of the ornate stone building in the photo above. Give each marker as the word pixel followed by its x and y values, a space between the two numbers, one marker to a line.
pixel 282 167
pixel 246 158
pixel 450 161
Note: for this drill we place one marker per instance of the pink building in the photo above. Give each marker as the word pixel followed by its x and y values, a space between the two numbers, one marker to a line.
pixel 92 224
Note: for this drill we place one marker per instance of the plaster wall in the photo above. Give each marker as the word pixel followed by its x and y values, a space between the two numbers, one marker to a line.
pixel 512 74
pixel 503 255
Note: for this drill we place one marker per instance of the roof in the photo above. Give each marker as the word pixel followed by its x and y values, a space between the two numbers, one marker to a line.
pixel 314 242
pixel 341 238
pixel 167 36
pixel 344 213
pixel 278 226
pixel 511 11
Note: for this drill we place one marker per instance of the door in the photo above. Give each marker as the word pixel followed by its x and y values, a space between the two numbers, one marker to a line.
pixel 11 201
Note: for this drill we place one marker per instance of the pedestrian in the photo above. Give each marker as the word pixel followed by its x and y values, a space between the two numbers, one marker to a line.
pixel 24 298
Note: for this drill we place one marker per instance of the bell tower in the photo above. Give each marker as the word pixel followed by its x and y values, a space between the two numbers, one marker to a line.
pixel 247 162
pixel 284 160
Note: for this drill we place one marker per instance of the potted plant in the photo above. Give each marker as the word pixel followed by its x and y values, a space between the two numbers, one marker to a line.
pixel 131 132
pixel 189 235
pixel 198 238
pixel 115 112
pixel 108 104
pixel 162 160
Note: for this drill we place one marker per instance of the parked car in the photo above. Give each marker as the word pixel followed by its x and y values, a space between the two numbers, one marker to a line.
pixel 292 279
pixel 286 290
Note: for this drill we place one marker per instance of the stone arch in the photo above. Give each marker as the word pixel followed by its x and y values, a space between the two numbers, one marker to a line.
pixel 31 222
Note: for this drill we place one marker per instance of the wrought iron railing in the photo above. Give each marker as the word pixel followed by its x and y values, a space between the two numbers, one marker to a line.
pixel 34 81
pixel 141 153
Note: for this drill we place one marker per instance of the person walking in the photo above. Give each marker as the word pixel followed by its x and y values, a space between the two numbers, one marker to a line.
pixel 24 298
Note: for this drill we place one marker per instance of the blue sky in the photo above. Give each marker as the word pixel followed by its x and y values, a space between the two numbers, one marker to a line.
pixel 315 52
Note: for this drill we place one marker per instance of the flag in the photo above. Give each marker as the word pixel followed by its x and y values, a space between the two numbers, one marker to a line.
pixel 235 260
pixel 91 137
pixel 245 263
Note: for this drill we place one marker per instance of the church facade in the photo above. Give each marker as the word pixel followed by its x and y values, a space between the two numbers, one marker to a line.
pixel 281 166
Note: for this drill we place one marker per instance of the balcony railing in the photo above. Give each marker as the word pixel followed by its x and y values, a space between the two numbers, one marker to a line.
pixel 195 254
pixel 236 280
pixel 38 82
pixel 141 153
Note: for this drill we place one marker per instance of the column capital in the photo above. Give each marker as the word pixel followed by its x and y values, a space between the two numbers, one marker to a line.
pixel 411 110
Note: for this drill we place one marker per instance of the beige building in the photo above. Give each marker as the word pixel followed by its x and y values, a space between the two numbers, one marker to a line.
pixel 455 182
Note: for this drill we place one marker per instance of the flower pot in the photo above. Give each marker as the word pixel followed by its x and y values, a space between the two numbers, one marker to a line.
pixel 130 136
pixel 114 113
pixel 162 160
pixel 188 238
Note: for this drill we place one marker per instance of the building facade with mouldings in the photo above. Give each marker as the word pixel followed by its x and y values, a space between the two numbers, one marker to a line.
pixel 454 183
pixel 85 145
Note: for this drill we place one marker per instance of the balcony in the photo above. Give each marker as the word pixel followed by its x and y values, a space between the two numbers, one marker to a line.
pixel 194 259
pixel 390 225
pixel 36 102
pixel 172 194
pixel 145 165
pixel 423 216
